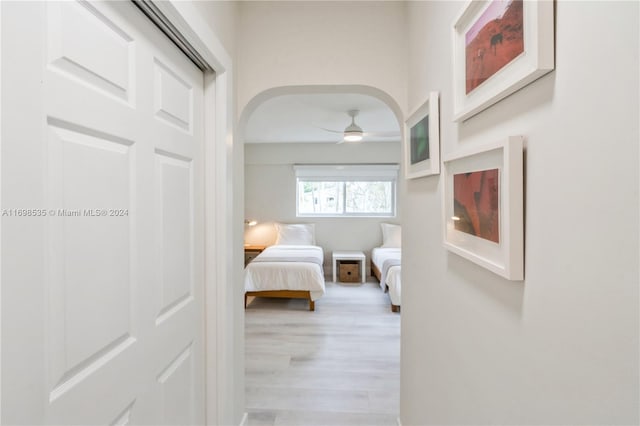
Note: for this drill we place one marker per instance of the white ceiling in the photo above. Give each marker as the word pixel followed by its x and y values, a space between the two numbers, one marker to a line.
pixel 300 118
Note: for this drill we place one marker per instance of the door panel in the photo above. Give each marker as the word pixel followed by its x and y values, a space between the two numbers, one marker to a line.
pixel 103 317
pixel 89 259
pixel 172 97
pixel 75 34
pixel 176 403
pixel 175 232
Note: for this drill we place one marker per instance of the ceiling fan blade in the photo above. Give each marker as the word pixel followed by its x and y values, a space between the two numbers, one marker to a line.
pixel 332 131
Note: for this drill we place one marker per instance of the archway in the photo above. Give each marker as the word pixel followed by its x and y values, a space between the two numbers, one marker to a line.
pixel 338 90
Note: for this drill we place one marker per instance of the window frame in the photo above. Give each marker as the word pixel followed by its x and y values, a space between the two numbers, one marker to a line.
pixel 344 173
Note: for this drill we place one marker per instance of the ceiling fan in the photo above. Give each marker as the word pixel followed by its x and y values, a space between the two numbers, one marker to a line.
pixel 354 133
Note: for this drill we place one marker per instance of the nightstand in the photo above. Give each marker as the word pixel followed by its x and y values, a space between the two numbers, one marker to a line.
pixel 356 256
pixel 250 252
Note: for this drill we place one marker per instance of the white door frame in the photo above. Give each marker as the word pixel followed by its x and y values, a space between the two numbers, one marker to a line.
pixel 223 226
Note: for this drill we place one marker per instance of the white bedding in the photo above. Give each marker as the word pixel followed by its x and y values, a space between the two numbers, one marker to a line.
pixel 384 259
pixel 387 260
pixel 394 282
pixel 287 267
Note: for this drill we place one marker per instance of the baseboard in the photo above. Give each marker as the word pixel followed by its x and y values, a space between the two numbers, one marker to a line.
pixel 245 419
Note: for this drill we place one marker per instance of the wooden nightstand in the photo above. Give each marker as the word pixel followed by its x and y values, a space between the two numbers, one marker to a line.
pixel 250 252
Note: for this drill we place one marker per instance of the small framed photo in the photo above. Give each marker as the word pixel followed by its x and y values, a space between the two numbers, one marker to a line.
pixel 499 47
pixel 422 140
pixel 483 206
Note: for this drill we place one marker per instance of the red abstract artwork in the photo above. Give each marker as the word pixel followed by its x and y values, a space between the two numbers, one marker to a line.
pixel 494 40
pixel 476 206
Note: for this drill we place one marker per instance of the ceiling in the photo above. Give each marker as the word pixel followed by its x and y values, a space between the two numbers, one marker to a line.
pixel 301 118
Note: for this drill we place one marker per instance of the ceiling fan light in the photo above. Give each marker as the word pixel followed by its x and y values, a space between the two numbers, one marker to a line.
pixel 352 136
pixel 353 132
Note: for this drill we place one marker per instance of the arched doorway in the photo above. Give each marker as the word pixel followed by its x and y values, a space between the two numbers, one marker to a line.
pixel 269 156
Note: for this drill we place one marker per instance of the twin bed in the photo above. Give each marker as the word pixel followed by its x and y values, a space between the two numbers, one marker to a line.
pixel 292 271
pixel 292 268
pixel 386 263
pixel 385 266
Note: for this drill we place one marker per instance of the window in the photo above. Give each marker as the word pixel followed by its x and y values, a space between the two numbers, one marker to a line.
pixel 346 190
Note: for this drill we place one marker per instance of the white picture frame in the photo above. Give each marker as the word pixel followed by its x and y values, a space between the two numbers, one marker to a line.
pixel 469 217
pixel 493 43
pixel 422 157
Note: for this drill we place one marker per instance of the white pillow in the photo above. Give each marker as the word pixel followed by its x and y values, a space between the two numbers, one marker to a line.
pixel 300 234
pixel 391 235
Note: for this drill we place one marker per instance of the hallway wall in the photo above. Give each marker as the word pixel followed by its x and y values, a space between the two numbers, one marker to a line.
pixel 282 43
pixel 222 17
pixel 562 346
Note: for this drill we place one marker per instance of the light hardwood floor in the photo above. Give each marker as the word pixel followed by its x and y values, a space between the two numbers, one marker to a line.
pixel 339 365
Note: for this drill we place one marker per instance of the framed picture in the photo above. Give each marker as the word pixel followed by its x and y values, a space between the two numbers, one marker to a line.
pixel 483 206
pixel 499 47
pixel 422 140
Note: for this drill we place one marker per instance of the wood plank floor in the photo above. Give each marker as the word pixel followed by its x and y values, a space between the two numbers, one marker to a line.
pixel 339 365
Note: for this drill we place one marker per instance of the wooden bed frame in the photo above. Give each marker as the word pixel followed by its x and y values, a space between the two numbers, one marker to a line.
pixel 287 294
pixel 376 272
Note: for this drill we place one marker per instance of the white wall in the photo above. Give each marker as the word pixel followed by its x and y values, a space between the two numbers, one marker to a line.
pixel 283 43
pixel 222 17
pixel 270 193
pixel 562 346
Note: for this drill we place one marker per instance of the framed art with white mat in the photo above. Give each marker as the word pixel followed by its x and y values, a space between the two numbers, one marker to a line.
pixel 422 140
pixel 483 206
pixel 499 46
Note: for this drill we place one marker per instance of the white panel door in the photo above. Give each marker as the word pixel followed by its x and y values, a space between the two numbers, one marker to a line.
pixel 102 218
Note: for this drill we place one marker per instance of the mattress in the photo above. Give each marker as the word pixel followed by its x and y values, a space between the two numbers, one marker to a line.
pixel 384 259
pixel 379 254
pixel 285 267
